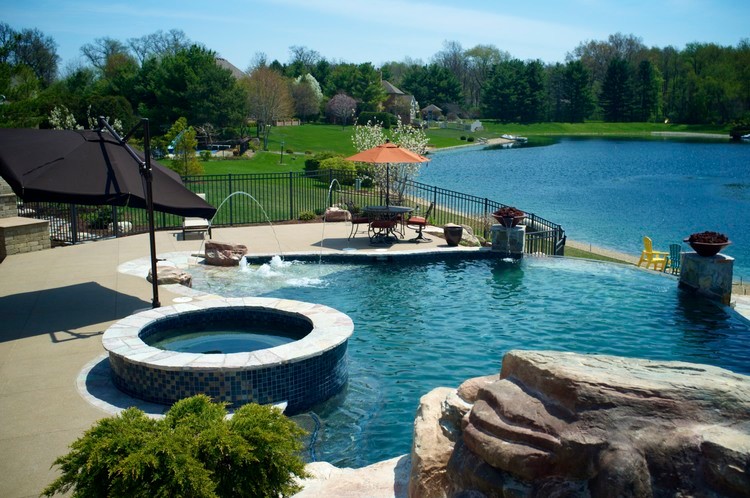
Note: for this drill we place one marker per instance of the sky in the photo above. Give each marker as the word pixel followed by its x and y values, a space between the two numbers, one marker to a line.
pixel 380 31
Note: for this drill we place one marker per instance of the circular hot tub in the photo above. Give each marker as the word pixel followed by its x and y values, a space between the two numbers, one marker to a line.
pixel 235 350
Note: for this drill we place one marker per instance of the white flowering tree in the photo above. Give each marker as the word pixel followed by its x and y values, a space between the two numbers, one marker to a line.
pixel 61 118
pixel 406 136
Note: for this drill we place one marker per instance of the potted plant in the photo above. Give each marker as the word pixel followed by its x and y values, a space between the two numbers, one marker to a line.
pixel 708 243
pixel 509 216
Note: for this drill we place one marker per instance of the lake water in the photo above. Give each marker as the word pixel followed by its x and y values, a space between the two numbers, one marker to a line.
pixel 611 192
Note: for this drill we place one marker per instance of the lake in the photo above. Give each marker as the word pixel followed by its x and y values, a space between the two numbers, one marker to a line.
pixel 611 192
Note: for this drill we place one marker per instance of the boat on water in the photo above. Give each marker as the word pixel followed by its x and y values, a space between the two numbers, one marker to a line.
pixel 515 138
pixel 745 137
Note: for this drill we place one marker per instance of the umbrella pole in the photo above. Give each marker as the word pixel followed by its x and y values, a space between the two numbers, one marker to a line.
pixel 146 173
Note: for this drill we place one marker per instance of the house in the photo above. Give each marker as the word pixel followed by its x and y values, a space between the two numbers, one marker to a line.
pixel 431 112
pixel 399 103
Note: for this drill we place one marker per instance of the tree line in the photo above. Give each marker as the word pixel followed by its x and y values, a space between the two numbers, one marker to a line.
pixel 165 76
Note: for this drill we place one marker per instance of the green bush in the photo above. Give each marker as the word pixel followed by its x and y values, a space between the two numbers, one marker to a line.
pixel 470 139
pixel 306 216
pixel 100 218
pixel 342 170
pixel 194 451
pixel 463 137
pixel 205 155
pixel 313 163
pixel 289 151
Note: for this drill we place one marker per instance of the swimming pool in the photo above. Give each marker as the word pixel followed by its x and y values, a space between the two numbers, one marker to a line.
pixel 423 325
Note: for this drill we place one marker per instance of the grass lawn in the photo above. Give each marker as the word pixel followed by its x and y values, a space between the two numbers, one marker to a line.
pixel 578 253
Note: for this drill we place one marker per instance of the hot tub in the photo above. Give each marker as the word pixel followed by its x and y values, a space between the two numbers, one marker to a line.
pixel 309 369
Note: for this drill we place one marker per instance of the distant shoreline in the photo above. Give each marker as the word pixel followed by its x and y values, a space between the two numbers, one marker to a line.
pixel 690 134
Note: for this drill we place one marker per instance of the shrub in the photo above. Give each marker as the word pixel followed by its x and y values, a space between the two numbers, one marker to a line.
pixel 308 152
pixel 463 137
pixel 342 170
pixel 289 151
pixel 194 451
pixel 470 139
pixel 313 163
pixel 306 216
pixel 205 155
pixel 100 218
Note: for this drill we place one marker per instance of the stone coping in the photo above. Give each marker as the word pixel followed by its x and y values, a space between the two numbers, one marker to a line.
pixel 330 329
pixel 18 221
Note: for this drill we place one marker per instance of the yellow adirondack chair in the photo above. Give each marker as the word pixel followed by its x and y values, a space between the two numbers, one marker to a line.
pixel 656 258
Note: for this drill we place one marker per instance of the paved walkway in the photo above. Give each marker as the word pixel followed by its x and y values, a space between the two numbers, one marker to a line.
pixel 56 304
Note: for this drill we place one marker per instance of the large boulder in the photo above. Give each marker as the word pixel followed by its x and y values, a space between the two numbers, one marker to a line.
pixel 337 214
pixel 170 274
pixel 224 253
pixel 565 424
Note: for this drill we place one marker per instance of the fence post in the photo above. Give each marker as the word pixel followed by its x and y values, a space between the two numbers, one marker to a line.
pixel 485 227
pixel 231 202
pixel 74 223
pixel 115 224
pixel 291 196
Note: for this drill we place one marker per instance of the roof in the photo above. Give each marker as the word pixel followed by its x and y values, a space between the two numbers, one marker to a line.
pixel 236 72
pixel 433 108
pixel 390 89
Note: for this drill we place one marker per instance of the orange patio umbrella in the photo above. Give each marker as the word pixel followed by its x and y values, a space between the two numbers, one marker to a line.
pixel 387 153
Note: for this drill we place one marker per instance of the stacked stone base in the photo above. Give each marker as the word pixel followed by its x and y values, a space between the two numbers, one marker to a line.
pixel 19 235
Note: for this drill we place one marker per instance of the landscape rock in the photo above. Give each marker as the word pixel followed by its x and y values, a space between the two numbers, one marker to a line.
pixel 122 227
pixel 432 447
pixel 224 253
pixel 337 214
pixel 567 424
pixel 468 238
pixel 171 275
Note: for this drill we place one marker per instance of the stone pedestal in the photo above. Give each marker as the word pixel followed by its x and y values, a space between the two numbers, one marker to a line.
pixel 710 276
pixel 18 235
pixel 508 242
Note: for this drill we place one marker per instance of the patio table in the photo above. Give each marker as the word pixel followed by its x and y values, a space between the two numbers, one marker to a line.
pixel 384 222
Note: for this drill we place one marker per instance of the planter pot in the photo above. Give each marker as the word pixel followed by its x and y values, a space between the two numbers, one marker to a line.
pixel 508 221
pixel 453 234
pixel 707 249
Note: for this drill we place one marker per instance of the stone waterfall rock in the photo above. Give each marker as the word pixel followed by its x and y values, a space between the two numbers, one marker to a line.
pixel 565 424
pixel 224 254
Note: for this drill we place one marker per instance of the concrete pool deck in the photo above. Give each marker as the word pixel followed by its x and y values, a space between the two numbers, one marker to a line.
pixel 54 307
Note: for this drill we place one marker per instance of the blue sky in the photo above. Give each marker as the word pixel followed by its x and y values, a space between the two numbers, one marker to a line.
pixel 381 31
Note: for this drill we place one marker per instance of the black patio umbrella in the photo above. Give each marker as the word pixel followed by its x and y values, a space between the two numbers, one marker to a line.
pixel 95 167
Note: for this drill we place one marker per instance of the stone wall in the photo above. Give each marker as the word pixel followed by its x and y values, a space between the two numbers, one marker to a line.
pixel 8 204
pixel 19 235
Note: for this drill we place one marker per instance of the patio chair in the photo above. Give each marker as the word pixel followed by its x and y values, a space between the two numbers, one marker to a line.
pixel 358 218
pixel 673 262
pixel 381 230
pixel 419 223
pixel 656 258
pixel 192 224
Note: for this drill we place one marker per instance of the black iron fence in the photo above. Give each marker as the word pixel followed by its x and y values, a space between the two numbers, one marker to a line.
pixel 244 199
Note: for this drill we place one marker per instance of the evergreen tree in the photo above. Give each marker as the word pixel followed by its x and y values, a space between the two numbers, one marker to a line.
pixel 577 92
pixel 617 92
pixel 647 86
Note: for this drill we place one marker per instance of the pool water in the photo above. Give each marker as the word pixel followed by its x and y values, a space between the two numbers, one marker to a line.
pixel 218 341
pixel 423 325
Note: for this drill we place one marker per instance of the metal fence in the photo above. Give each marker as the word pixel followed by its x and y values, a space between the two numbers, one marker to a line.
pixel 244 199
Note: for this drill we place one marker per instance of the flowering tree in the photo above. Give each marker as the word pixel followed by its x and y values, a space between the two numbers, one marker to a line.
pixel 341 107
pixel 406 136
